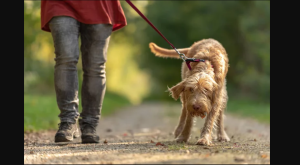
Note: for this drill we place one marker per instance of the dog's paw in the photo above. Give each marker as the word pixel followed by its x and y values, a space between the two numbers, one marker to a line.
pixel 223 137
pixel 181 139
pixel 204 141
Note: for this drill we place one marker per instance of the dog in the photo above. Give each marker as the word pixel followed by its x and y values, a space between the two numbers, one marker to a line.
pixel 202 90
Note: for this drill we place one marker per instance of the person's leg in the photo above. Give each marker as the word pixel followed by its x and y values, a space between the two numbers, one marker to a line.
pixel 94 45
pixel 65 33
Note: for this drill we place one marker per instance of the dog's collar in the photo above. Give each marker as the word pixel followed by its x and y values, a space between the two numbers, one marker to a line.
pixel 189 60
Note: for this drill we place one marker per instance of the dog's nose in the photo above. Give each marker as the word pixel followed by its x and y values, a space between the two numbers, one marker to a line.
pixel 196 107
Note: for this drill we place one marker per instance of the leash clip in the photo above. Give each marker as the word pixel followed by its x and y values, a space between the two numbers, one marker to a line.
pixel 188 60
pixel 182 56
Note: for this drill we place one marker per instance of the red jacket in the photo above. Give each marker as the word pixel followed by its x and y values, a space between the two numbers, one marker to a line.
pixel 85 11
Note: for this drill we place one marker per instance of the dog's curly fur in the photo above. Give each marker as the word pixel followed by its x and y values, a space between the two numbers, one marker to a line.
pixel 202 90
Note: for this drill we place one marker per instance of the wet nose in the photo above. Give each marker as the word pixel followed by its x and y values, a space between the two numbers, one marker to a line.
pixel 196 107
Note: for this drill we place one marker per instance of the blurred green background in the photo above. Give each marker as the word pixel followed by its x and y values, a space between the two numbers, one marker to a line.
pixel 135 75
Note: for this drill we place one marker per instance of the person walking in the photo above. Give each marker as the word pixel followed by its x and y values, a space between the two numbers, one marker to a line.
pixel 93 21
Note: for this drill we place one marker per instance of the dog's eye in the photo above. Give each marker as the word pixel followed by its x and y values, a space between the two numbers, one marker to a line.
pixel 191 89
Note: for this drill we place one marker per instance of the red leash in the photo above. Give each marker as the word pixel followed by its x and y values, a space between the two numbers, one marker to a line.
pixel 183 57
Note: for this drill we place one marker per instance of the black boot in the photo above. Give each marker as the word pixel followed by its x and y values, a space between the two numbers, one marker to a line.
pixel 88 132
pixel 66 132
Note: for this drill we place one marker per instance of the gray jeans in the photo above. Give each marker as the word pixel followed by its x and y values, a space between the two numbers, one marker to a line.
pixel 94 43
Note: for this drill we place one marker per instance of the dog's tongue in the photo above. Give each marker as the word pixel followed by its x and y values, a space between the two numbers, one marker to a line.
pixel 202 115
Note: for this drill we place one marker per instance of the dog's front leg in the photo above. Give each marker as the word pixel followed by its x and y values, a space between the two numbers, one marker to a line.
pixel 205 138
pixel 222 136
pixel 185 134
pixel 221 133
pixel 210 122
pixel 181 123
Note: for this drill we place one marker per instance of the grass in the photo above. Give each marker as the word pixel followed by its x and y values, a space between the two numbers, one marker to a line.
pixel 182 146
pixel 250 108
pixel 243 107
pixel 41 111
pixel 176 147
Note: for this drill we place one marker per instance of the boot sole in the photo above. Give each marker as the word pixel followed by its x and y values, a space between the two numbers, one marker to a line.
pixel 62 138
pixel 90 139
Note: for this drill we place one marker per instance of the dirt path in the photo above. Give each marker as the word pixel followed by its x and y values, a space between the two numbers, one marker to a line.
pixel 129 133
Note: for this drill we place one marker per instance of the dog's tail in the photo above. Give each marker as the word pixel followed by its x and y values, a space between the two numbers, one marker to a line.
pixel 162 52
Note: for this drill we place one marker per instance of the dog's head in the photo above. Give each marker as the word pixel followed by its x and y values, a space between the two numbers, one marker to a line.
pixel 196 92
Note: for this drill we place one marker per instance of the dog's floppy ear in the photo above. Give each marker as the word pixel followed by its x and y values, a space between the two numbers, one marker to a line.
pixel 176 90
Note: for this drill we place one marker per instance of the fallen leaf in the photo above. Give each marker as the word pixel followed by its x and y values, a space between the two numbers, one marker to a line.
pixel 235 145
pixel 85 158
pixel 151 141
pixel 264 156
pixel 206 155
pixel 125 134
pixel 255 140
pixel 31 152
pixel 205 148
pixel 105 142
pixel 159 144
